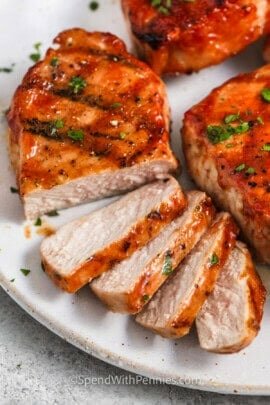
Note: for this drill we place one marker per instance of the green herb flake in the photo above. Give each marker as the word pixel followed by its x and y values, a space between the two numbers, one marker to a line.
pixel 231 118
pixel 7 69
pixel 12 280
pixel 145 298
pixel 54 61
pixel 93 5
pixel 163 6
pixel 250 170
pixel 265 94
pixel 163 10
pixel 167 268
pixel 77 83
pixel 217 134
pixel 38 222
pixel 52 213
pixel 214 259
pixel 122 135
pixel 266 147
pixel 76 134
pixel 35 57
pixel 243 127
pixel 260 120
pixel 156 3
pixel 116 105
pixel 59 124
pixel 25 272
pixel 229 145
pixel 240 168
pixel 14 190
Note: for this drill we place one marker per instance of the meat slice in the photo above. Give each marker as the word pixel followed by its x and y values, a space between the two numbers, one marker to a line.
pixel 88 121
pixel 230 318
pixel 82 249
pixel 174 307
pixel 131 283
pixel 226 140
pixel 184 36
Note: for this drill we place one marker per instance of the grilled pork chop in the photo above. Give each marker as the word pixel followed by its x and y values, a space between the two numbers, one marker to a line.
pixel 82 249
pixel 230 318
pixel 183 36
pixel 88 121
pixel 174 307
pixel 131 283
pixel 227 147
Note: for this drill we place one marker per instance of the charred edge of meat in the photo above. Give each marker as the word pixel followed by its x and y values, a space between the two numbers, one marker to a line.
pixel 153 40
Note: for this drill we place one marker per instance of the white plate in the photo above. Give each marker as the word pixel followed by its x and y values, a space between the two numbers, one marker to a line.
pixel 80 318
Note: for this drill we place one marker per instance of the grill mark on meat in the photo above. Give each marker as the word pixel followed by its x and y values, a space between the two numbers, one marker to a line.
pixel 44 128
pixel 89 99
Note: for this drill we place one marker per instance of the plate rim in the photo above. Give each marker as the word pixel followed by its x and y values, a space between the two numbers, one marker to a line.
pixel 95 350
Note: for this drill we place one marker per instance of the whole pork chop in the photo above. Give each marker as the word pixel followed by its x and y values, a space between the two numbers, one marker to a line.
pixel 88 121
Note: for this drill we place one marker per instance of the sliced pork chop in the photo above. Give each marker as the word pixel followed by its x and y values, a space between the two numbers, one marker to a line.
pixel 230 318
pixel 131 283
pixel 88 121
pixel 174 307
pixel 82 249
pixel 226 140
pixel 183 36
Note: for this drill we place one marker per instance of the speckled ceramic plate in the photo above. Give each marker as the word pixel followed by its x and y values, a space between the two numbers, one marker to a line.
pixel 80 318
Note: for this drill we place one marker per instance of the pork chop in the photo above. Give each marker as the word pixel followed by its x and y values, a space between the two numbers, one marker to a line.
pixel 88 121
pixel 129 285
pixel 230 318
pixel 226 140
pixel 84 248
pixel 183 36
pixel 174 307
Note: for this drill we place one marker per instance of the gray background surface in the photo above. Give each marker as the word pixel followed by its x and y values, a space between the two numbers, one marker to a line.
pixel 37 367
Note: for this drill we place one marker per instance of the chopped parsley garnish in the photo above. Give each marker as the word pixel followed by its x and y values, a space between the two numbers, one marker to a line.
pixel 54 61
pixel 93 5
pixel 243 127
pixel 7 69
pixel 266 147
pixel 14 190
pixel 240 168
pixel 231 118
pixel 220 133
pixel 229 145
pixel 260 120
pixel 214 259
pixel 58 124
pixel 145 298
pixel 25 272
pixel 35 57
pixel 38 222
pixel 122 135
pixel 116 105
pixel 217 134
pixel 163 6
pixel 167 268
pixel 265 93
pixel 52 213
pixel 77 83
pixel 76 134
pixel 250 170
